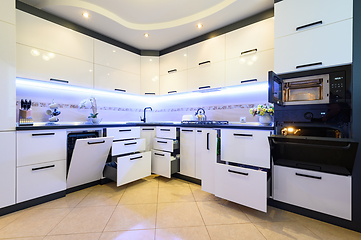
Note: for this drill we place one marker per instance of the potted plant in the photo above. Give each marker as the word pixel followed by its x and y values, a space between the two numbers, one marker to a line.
pixel 93 105
pixel 264 112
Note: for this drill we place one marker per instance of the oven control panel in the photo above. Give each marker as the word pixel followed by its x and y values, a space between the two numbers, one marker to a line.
pixel 338 87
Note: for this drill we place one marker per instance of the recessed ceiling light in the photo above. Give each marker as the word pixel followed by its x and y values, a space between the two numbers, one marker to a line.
pixel 185 55
pixel 146 35
pixel 113 50
pixel 86 15
pixel 150 60
pixel 199 25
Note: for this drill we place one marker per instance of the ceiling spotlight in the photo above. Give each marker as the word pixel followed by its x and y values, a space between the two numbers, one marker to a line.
pixel 199 25
pixel 146 35
pixel 86 15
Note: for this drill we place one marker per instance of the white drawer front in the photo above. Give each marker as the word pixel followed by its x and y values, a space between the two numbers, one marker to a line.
pixel 166 132
pixel 40 179
pixel 322 192
pixel 164 144
pixel 128 146
pixel 40 146
pixel 161 163
pixel 133 167
pixel 248 147
pixel 124 133
pixel 241 185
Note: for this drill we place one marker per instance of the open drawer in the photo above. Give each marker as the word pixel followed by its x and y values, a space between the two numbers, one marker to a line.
pixel 244 186
pixel 129 168
pixel 164 164
pixel 168 145
pixel 128 146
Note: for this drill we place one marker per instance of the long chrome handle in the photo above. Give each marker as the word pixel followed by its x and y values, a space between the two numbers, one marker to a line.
pixel 309 25
pixel 308 176
pixel 136 158
pixel 39 168
pixel 242 135
pixel 58 80
pixel 42 134
pixel 249 51
pixel 90 143
pixel 241 173
pixel 309 65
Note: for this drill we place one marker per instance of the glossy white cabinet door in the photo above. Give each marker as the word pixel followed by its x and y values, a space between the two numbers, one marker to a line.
pixel 7 11
pixel 106 78
pixel 176 60
pixel 42 34
pixel 212 50
pixel 121 133
pixel 111 56
pixel 208 159
pixel 166 132
pixel 173 83
pixel 199 151
pixel 128 146
pixel 291 14
pixel 7 77
pixel 212 75
pixel 322 192
pixel 37 64
pixel 249 68
pixel 149 75
pixel 259 36
pixel 310 47
pixel 7 168
pixel 188 152
pixel 148 133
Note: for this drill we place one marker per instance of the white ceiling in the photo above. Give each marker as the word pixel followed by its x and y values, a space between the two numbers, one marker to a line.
pixel 168 22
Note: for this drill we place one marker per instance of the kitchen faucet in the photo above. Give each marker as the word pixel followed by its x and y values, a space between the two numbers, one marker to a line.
pixel 144 119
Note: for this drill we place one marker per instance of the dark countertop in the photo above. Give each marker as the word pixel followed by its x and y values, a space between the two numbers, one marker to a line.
pixel 74 125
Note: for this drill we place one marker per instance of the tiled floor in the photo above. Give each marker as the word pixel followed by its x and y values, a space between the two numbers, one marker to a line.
pixel 158 208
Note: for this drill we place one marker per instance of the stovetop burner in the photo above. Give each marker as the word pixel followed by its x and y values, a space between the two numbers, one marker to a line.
pixel 206 122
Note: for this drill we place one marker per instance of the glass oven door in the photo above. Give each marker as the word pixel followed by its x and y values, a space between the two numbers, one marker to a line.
pixel 275 89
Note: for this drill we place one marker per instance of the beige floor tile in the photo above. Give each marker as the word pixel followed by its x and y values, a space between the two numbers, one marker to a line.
pixel 132 217
pixel 35 222
pixel 172 182
pixel 175 194
pixel 185 233
pixel 272 215
pixel 84 220
pixel 221 212
pixel 139 196
pixel 128 235
pixel 147 182
pixel 285 230
pixel 8 218
pixel 179 214
pixel 202 196
pixel 245 231
pixel 26 238
pixel 81 236
pixel 105 195
pixel 71 200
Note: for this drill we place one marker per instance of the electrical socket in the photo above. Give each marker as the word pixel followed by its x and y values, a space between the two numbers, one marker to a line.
pixel 242 119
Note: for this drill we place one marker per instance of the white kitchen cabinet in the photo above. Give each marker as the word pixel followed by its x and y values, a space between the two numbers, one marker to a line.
pixel 128 146
pixel 34 63
pixel 212 50
pixel 112 79
pixel 256 37
pixel 49 37
pixel 7 11
pixel 308 49
pixel 7 75
pixel 173 62
pixel 111 56
pixel 244 186
pixel 199 152
pixel 188 152
pixel 173 83
pixel 42 179
pixel 149 75
pixel 7 168
pixel 166 132
pixel 292 14
pixel 40 146
pixel 249 68
pixel 148 133
pixel 317 191
pixel 206 76
pixel 168 145
pixel 162 163
pixel 249 147
pixel 122 133
pixel 208 154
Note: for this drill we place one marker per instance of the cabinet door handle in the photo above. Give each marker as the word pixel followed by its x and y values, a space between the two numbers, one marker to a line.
pixel 308 176
pixel 165 129
pixel 158 154
pixel 172 92
pixel 204 87
pixel 42 134
pixel 125 130
pixel 132 143
pixel 39 168
pixel 119 90
pixel 207 141
pixel 162 142
pixel 241 173
pixel 100 142
pixel 309 25
pixel 242 135
pixel 149 93
pixel 250 80
pixel 199 130
pixel 249 51
pixel 58 80
pixel 201 63
pixel 309 65
pixel 147 129
pixel 173 70
pixel 136 158
pixel 187 130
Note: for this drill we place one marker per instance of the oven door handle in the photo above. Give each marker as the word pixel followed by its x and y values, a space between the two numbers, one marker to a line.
pixel 311 145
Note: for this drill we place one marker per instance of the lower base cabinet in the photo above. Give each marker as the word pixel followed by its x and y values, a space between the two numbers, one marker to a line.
pixel 42 179
pixel 244 186
pixel 321 192
pixel 164 164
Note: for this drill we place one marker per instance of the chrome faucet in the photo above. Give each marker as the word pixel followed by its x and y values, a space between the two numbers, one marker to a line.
pixel 144 119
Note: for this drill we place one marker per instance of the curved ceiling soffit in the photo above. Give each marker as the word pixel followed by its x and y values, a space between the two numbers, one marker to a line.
pixel 136 26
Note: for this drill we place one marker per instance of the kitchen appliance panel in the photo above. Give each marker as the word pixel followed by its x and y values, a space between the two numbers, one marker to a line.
pixel 123 133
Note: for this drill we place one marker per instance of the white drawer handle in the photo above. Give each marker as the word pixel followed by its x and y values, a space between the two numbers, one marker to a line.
pixel 242 135
pixel 158 154
pixel 132 143
pixel 241 173
pixel 165 129
pixel 308 176
pixel 39 168
pixel 309 25
pixel 136 158
pixel 42 134
pixel 125 130
pixel 100 142
pixel 162 142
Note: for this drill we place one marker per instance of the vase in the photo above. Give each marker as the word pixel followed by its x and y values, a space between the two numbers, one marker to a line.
pixel 95 120
pixel 266 119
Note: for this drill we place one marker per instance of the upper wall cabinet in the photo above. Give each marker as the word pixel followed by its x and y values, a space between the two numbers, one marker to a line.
pixel 7 11
pixel 253 38
pixel 206 76
pixel 173 83
pixel 207 52
pixel 173 62
pixel 42 34
pixel 149 75
pixel 112 56
pixel 292 16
